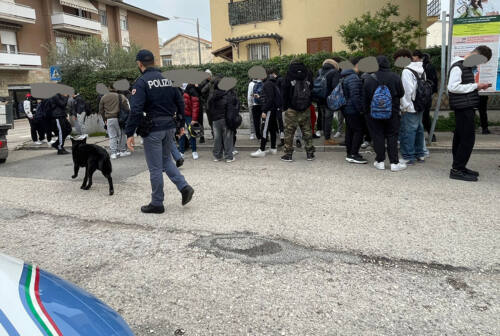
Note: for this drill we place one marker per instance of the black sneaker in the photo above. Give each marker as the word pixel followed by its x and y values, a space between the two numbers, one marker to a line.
pixel 342 144
pixel 287 158
pixel 62 152
pixel 434 138
pixel 153 209
pixel 298 143
pixel 358 159
pixel 187 194
pixel 462 176
pixel 202 140
pixel 310 156
pixel 179 162
pixel 486 131
pixel 55 145
pixel 471 172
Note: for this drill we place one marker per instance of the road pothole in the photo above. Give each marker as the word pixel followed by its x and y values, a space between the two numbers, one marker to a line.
pixel 248 246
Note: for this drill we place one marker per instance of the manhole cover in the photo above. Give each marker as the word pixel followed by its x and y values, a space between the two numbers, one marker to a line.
pixel 249 246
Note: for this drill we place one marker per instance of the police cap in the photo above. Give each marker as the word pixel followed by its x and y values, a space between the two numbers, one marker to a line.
pixel 145 56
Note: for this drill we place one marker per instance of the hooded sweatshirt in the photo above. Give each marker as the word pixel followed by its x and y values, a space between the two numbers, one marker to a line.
pixel 410 85
pixel 296 71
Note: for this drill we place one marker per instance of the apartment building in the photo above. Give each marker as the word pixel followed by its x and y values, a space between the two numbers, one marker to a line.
pixel 28 26
pixel 260 29
pixel 182 49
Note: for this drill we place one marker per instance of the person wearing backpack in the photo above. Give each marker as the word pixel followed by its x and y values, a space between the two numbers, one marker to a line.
pixel 224 109
pixel 111 106
pixel 191 114
pixel 463 92
pixel 297 99
pixel 432 76
pixel 328 78
pixel 414 102
pixel 353 112
pixel 382 93
pixel 257 99
pixel 269 121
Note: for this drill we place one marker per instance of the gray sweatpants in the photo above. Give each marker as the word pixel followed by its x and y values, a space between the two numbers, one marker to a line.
pixel 157 149
pixel 117 137
pixel 79 124
pixel 223 140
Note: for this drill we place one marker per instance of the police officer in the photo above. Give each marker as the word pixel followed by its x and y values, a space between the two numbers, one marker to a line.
pixel 154 95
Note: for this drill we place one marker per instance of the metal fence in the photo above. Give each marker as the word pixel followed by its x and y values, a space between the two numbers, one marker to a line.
pixel 248 11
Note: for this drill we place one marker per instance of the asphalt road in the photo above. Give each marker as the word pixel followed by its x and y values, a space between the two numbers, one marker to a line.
pixel 268 248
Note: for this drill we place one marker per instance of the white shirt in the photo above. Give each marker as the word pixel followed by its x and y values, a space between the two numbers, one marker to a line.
pixel 27 108
pixel 250 94
pixel 410 85
pixel 455 83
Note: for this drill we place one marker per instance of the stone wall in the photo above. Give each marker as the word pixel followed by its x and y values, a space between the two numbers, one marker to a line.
pixel 21 77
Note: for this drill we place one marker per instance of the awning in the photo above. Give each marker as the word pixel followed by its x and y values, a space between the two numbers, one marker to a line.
pixel 80 4
pixel 235 41
pixel 225 53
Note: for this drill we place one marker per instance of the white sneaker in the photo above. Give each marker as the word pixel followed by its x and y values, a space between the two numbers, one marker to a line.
pixel 195 156
pixel 125 153
pixel 365 145
pixel 51 142
pixel 379 165
pixel 337 135
pixel 230 160
pixel 114 156
pixel 235 152
pixel 273 151
pixel 395 167
pixel 258 154
pixel 318 133
pixel 37 142
pixel 217 160
pixel 252 136
pixel 182 155
pixel 44 141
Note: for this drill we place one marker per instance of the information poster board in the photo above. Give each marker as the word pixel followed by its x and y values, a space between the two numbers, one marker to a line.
pixel 477 22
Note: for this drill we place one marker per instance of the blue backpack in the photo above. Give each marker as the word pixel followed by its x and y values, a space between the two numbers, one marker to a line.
pixel 320 85
pixel 337 100
pixel 381 107
pixel 258 89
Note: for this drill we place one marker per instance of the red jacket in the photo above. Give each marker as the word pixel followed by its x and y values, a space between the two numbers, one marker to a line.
pixel 191 106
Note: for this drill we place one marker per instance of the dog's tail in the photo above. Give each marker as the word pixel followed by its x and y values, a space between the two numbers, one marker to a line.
pixel 107 168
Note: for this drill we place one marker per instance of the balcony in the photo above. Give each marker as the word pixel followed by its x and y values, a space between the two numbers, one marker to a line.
pixel 16 13
pixel 75 24
pixel 249 11
pixel 19 61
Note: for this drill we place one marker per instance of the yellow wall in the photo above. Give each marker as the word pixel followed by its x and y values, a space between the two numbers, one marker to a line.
pixel 304 19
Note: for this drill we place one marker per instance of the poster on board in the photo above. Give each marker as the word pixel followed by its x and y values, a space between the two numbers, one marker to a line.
pixel 477 22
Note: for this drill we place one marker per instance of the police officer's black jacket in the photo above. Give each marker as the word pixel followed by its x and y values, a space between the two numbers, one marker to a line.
pixel 154 95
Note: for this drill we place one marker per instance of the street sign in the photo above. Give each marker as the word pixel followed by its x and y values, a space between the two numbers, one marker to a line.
pixel 55 73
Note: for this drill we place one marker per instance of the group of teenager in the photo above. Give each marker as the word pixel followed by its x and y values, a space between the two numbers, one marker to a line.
pixel 385 107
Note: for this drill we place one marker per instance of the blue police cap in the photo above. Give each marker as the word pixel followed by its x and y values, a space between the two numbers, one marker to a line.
pixel 145 56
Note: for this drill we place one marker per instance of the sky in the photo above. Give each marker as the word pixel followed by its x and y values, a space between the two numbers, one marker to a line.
pixel 182 8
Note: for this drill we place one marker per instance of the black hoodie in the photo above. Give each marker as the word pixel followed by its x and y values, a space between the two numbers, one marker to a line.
pixel 296 71
pixel 58 106
pixel 385 77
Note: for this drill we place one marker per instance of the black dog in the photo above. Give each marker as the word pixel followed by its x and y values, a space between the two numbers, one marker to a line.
pixel 93 158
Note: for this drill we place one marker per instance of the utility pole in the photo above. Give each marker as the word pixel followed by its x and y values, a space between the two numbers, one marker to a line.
pixel 199 42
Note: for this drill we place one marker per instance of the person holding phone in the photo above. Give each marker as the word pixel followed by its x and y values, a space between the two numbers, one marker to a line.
pixel 464 99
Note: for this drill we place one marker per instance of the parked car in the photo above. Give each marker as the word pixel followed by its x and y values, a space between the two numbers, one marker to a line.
pixel 36 303
pixel 6 121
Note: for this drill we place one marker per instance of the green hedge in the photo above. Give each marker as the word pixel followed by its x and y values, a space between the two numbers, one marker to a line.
pixel 85 83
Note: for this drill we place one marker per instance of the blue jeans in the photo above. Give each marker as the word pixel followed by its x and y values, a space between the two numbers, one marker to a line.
pixel 192 141
pixel 412 136
pixel 157 148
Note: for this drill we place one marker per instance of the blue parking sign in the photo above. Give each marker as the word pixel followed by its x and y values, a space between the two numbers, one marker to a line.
pixel 55 73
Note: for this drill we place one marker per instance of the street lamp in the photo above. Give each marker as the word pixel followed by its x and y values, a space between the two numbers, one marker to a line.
pixel 197 31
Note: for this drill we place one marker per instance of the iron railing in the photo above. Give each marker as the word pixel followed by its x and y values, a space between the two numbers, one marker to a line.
pixel 248 11
pixel 434 8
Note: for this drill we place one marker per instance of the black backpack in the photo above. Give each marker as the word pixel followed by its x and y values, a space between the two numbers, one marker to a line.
pixel 301 95
pixel 42 112
pixel 233 116
pixel 123 114
pixel 423 98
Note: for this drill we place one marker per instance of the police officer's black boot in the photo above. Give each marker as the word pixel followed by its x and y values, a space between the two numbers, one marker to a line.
pixel 153 209
pixel 187 194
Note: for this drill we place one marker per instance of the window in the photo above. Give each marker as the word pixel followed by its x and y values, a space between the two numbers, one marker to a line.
pixel 258 51
pixel 123 22
pixel 166 60
pixel 103 17
pixel 9 41
pixel 61 45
